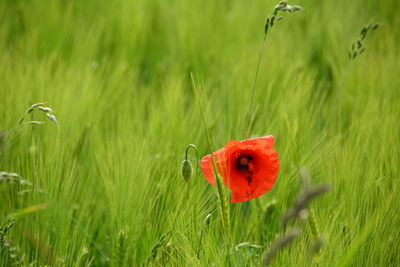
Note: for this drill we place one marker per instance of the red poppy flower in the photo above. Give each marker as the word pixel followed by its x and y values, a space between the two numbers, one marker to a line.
pixel 249 167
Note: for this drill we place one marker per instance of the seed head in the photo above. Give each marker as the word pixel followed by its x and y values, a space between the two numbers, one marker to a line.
pixel 45 109
pixel 52 118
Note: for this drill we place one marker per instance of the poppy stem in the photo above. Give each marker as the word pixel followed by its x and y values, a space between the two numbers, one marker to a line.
pixel 195 148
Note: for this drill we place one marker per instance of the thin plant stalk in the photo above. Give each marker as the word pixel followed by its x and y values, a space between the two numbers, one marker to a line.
pixel 269 23
pixel 197 154
pixel 356 50
pixel 249 113
pixel 339 91
pixel 221 193
pixel 204 229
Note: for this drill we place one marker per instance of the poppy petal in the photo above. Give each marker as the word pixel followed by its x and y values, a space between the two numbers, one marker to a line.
pixel 267 174
pixel 207 168
pixel 249 167
pixel 239 197
pixel 265 143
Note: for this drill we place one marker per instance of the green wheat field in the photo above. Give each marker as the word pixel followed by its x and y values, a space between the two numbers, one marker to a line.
pixel 91 176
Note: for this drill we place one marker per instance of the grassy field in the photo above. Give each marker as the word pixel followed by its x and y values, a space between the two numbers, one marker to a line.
pixel 104 183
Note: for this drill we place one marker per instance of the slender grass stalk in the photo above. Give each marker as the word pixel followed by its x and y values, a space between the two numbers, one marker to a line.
pixel 221 192
pixel 249 112
pixel 357 48
pixel 282 6
pixel 204 230
pixel 370 225
pixel 339 90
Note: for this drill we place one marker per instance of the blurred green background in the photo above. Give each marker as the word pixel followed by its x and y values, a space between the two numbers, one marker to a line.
pixel 116 73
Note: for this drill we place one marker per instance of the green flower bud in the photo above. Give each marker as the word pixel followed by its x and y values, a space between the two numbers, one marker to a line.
pixel 186 167
pixel 186 170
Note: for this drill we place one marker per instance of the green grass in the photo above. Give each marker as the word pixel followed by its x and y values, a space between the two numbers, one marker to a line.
pixel 117 74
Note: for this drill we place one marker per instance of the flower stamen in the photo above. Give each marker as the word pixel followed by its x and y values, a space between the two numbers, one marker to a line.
pixel 243 162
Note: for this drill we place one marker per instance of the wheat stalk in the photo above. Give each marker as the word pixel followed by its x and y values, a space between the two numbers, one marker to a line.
pixel 221 191
pixel 121 249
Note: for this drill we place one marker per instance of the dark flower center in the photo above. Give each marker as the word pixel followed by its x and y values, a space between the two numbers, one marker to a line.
pixel 242 162
pixel 244 165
